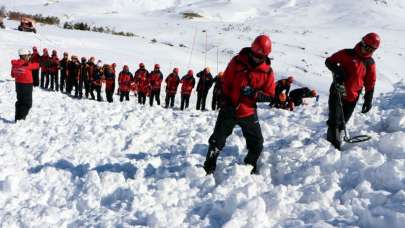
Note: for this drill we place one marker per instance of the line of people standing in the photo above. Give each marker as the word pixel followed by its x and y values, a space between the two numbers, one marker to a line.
pixel 71 75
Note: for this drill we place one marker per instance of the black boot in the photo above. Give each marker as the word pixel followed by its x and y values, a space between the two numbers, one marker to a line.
pixel 334 137
pixel 211 160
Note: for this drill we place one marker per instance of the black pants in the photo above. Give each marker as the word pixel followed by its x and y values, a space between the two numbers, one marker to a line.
pixel 62 80
pixel 141 98
pixel 96 88
pixel 80 86
pixel 35 78
pixel 337 113
pixel 224 126
pixel 44 80
pixel 185 100
pixel 109 95
pixel 215 101
pixel 169 100
pixel 87 88
pixel 24 100
pixel 124 94
pixel 72 84
pixel 201 100
pixel 155 94
pixel 54 81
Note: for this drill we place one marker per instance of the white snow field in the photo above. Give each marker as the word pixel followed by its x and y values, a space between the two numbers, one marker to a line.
pixel 80 163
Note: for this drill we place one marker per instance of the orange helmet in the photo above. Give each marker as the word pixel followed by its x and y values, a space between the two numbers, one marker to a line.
pixel 282 97
pixel 314 93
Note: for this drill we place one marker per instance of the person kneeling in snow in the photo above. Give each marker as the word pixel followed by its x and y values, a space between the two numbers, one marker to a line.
pixel 21 70
pixel 352 69
pixel 248 78
pixel 296 96
pixel 282 86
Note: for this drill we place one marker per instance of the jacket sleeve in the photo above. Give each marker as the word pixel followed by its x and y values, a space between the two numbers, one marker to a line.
pixel 34 66
pixel 270 86
pixel 333 64
pixel 370 78
pixel 228 74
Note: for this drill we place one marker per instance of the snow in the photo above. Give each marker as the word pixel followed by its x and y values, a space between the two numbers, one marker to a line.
pixel 80 163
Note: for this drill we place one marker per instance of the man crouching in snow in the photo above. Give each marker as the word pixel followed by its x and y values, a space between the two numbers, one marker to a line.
pixel 352 69
pixel 248 78
pixel 21 70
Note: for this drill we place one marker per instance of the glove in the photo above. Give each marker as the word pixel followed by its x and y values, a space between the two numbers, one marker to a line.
pixel 368 98
pixel 248 91
pixel 340 88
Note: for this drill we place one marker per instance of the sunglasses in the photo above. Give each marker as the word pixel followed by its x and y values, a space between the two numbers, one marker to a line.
pixel 367 47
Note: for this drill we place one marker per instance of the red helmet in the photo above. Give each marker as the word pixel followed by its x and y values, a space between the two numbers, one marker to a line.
pixel 261 45
pixel 141 65
pixel 45 50
pixel 290 79
pixel 190 72
pixel 372 39
pixel 176 70
pixel 157 66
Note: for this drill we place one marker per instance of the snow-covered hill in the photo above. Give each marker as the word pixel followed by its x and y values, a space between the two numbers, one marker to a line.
pixel 79 163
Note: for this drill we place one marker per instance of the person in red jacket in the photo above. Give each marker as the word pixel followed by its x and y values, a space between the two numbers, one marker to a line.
pixel 125 79
pixel 35 58
pixel 188 82
pixel 21 71
pixel 141 78
pixel 352 69
pixel 172 82
pixel 45 62
pixel 109 77
pixel 248 78
pixel 54 70
pixel 155 78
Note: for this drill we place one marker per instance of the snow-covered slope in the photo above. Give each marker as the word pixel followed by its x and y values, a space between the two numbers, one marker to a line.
pixel 77 163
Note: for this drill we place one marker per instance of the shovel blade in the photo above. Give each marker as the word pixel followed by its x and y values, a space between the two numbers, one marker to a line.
pixel 357 139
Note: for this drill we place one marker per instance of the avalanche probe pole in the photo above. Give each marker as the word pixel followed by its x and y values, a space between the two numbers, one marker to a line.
pixel 347 138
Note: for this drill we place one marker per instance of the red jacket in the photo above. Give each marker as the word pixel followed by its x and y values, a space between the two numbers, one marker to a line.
pixel 188 83
pixel 124 81
pixel 155 78
pixel 35 57
pixel 45 63
pixel 21 70
pixel 172 82
pixel 240 74
pixel 359 71
pixel 54 66
pixel 142 82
